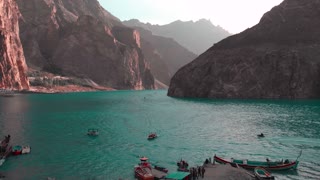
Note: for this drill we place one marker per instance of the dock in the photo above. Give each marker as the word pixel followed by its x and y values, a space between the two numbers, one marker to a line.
pixel 225 172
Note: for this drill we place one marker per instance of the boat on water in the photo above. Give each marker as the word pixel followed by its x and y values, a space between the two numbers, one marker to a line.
pixel 143 170
pixel 260 135
pixel 183 166
pixel 18 150
pixel 269 165
pixel 262 174
pixel 152 136
pixel 93 132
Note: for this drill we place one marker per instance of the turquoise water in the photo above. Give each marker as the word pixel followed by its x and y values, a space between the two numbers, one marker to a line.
pixel 55 127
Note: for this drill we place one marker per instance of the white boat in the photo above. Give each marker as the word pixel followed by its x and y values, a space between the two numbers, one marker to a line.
pixel 26 150
pixel 2 161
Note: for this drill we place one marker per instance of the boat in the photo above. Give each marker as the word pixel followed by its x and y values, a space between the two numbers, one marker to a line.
pixel 260 135
pixel 4 144
pixel 262 174
pixel 183 166
pixel 17 150
pixel 93 132
pixel 143 171
pixel 152 136
pixel 163 169
pixel 269 165
pixel 2 160
pixel 26 150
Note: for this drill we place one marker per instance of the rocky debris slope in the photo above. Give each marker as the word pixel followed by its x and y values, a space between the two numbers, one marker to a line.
pixel 277 58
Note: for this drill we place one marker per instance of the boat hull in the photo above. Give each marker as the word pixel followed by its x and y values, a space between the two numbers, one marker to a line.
pixel 143 173
pixel 273 166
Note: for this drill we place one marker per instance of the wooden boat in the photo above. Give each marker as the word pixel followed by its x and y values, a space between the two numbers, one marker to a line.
pixel 260 135
pixel 183 166
pixel 262 174
pixel 277 165
pixel 93 132
pixel 152 136
pixel 143 170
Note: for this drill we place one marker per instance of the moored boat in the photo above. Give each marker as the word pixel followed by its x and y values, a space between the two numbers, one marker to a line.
pixel 183 166
pixel 143 170
pixel 269 165
pixel 262 174
pixel 152 136
pixel 26 150
pixel 17 150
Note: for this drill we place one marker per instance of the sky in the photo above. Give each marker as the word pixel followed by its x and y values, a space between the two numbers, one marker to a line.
pixel 233 15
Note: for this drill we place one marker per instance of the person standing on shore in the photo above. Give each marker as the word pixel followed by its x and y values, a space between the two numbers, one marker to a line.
pixel 203 171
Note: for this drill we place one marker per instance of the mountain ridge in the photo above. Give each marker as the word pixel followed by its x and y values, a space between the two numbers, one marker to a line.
pixel 196 36
pixel 277 58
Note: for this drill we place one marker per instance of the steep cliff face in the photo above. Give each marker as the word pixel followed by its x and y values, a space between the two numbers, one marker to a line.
pixel 197 36
pixel 165 55
pixel 12 61
pixel 80 38
pixel 278 58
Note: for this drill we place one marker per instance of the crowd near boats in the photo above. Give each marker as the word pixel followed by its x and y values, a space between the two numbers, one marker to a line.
pixel 257 169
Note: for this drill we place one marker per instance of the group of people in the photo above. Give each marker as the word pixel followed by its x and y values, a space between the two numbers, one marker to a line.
pixel 197 172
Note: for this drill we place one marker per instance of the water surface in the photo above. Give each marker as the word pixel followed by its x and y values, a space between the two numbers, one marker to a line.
pixel 55 126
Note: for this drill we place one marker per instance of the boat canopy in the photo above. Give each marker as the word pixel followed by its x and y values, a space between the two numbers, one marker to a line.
pixel 177 175
pixel 144 159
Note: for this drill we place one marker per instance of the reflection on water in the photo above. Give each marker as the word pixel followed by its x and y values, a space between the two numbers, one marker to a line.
pixel 193 129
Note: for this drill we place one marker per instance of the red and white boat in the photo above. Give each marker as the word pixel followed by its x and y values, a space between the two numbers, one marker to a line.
pixel 143 170
pixel 152 136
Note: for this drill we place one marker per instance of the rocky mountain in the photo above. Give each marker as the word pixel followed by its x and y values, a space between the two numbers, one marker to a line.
pixel 81 39
pixel 277 58
pixel 165 55
pixel 196 36
pixel 12 61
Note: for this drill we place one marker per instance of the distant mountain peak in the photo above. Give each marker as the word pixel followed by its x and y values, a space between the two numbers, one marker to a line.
pixel 196 36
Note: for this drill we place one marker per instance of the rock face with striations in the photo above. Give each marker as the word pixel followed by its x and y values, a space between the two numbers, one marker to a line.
pixel 197 36
pixel 12 62
pixel 79 38
pixel 165 55
pixel 277 58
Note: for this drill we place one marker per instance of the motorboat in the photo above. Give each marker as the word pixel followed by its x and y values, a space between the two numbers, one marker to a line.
pixel 93 132
pixel 152 136
pixel 143 170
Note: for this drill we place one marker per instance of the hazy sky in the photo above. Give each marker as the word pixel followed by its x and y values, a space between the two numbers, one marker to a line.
pixel 233 15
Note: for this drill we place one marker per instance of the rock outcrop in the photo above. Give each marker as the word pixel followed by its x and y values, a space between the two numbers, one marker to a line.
pixel 81 39
pixel 12 61
pixel 197 36
pixel 165 55
pixel 277 58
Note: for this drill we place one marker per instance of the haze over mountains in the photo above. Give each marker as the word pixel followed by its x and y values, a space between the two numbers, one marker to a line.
pixel 277 58
pixel 196 36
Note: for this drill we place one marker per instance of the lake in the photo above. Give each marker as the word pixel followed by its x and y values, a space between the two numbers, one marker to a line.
pixel 55 126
